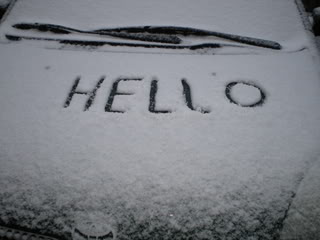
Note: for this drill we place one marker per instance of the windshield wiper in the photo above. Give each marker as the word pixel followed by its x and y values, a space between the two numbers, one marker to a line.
pixel 161 34
pixel 58 29
pixel 186 31
pixel 91 43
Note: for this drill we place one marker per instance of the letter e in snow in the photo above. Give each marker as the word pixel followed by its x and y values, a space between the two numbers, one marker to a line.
pixel 114 92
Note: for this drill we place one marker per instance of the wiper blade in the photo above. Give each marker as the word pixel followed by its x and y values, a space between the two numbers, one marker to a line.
pixel 140 36
pixel 186 31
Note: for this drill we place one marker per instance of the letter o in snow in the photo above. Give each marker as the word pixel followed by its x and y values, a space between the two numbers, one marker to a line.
pixel 245 94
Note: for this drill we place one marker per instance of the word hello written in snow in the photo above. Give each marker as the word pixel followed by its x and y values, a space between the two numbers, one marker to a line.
pixel 186 93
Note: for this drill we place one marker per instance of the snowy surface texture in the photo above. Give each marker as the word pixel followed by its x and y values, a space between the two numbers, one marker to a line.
pixel 231 173
pixel 4 3
pixel 272 20
pixel 318 42
pixel 304 216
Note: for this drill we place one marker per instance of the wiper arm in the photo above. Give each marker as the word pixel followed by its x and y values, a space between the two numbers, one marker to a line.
pixel 186 31
pixel 140 36
pixel 120 44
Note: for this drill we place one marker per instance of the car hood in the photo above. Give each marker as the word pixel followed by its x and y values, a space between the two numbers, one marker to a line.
pixel 205 146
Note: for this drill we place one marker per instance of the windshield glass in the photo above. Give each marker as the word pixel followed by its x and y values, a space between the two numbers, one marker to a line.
pixel 223 17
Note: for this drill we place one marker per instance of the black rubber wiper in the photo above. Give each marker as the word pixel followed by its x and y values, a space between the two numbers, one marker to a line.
pixel 186 31
pixel 161 34
pixel 140 36
pixel 90 43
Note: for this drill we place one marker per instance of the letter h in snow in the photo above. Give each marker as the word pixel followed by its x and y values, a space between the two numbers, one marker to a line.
pixel 91 94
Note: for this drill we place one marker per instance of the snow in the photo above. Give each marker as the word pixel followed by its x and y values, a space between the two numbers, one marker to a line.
pixel 316 11
pixel 227 174
pixel 245 94
pixel 283 24
pixel 318 42
pixel 4 3
pixel 303 218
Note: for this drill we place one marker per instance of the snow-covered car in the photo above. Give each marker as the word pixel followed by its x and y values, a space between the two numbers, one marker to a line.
pixel 154 119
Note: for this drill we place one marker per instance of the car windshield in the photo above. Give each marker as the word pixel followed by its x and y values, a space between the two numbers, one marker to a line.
pixel 207 28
